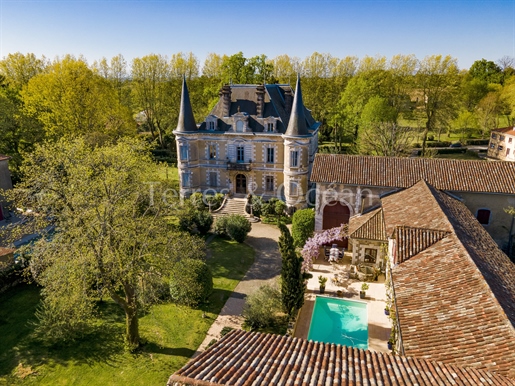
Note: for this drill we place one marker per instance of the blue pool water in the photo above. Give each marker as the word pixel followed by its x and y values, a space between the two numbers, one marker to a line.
pixel 339 321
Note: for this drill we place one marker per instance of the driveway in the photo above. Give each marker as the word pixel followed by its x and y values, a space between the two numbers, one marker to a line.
pixel 266 268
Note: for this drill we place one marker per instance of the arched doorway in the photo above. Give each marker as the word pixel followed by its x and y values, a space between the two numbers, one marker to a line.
pixel 241 184
pixel 336 214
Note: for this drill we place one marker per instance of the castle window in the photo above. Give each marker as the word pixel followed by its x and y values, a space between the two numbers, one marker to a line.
pixel 183 152
pixel 213 179
pixel 494 136
pixel 211 125
pixel 269 183
pixel 294 158
pixel 483 216
pixel 186 180
pixel 508 151
pixel 492 145
pixel 239 126
pixel 499 148
pixel 212 151
pixel 501 138
pixel 240 154
pixel 270 155
pixel 294 188
pixel 269 127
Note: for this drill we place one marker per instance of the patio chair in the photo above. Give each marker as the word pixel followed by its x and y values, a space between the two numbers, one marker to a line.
pixel 327 252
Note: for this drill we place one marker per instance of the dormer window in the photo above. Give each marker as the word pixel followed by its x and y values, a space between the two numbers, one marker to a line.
pixel 269 125
pixel 211 122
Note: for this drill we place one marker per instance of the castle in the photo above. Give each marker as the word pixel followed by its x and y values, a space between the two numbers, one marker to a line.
pixel 258 139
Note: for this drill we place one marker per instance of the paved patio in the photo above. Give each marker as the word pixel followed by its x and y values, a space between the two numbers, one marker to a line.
pixel 379 324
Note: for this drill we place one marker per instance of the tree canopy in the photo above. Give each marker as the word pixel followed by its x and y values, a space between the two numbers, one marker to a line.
pixel 106 231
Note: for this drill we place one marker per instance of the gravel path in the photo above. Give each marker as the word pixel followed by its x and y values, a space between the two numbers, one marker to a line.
pixel 267 266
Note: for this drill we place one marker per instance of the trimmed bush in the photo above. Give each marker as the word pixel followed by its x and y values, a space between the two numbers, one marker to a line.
pixel 197 199
pixel 303 226
pixel 234 226
pixel 263 308
pixel 193 220
pixel 203 221
pixel 191 282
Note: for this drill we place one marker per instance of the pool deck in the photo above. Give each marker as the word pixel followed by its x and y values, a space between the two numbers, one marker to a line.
pixel 379 324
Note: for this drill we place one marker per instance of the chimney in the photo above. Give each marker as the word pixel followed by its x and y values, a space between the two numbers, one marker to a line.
pixel 288 101
pixel 226 98
pixel 260 92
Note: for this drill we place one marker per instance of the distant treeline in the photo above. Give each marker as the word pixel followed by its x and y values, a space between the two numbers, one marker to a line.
pixel 372 105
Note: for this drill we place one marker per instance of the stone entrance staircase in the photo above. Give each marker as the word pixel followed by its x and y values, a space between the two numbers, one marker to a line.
pixel 231 206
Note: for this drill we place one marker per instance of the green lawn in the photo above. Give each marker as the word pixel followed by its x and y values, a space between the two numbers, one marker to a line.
pixel 172 334
pixel 169 173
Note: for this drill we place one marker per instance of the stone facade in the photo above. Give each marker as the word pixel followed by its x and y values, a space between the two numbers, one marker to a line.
pixel 502 144
pixel 258 140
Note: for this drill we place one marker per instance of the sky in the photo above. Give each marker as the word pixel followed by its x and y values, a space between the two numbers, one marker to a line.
pixel 468 30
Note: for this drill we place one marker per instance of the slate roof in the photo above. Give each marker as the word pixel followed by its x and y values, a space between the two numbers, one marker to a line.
pixel 250 358
pixel 186 119
pixel 297 126
pixel 244 100
pixel 369 226
pixel 443 174
pixel 455 292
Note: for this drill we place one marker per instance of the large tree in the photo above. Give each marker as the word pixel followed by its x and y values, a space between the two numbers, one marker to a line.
pixel 381 135
pixel 155 94
pixel 110 232
pixel 437 82
pixel 71 99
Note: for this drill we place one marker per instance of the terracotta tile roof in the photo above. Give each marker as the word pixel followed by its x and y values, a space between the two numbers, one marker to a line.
pixel 456 297
pixel 506 130
pixel 411 241
pixel 443 174
pixel 369 226
pixel 414 207
pixel 249 358
pixel 6 251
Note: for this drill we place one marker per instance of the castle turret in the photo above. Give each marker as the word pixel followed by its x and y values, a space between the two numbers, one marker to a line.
pixel 297 139
pixel 297 124
pixel 186 118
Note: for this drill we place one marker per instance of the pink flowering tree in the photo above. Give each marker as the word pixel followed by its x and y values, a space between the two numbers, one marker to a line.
pixel 312 247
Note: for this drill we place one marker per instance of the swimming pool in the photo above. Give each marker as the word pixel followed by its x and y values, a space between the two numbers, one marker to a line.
pixel 339 321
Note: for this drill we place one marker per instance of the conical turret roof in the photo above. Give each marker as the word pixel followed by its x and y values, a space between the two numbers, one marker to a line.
pixel 297 125
pixel 186 118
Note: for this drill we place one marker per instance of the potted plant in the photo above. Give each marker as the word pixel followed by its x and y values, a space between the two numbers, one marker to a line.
pixel 322 280
pixel 387 310
pixel 363 292
pixel 339 293
pixel 390 344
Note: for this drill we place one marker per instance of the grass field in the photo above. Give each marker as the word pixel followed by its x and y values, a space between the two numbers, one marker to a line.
pixel 172 334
